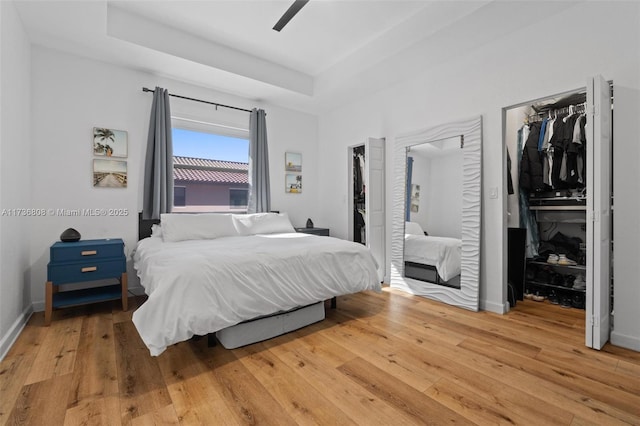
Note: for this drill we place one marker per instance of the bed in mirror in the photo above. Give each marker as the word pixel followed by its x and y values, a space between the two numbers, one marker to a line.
pixel 436 217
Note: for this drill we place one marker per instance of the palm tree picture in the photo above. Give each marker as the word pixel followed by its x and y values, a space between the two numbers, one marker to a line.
pixel 109 142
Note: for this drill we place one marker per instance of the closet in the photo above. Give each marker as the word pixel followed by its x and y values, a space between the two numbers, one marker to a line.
pixel 366 198
pixel 559 186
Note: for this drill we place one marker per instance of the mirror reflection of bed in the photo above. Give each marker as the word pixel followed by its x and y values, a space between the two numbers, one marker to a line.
pixel 433 225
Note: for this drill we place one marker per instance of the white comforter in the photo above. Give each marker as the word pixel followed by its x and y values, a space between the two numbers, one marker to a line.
pixel 441 252
pixel 202 286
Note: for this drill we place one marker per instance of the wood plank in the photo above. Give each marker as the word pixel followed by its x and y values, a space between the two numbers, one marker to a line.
pixel 405 398
pixel 303 403
pixel 57 353
pixel 198 398
pixel 94 412
pixel 387 352
pixel 17 365
pixel 245 396
pixel 591 389
pixel 506 407
pixel 37 404
pixel 141 387
pixel 163 416
pixel 95 372
pixel 322 375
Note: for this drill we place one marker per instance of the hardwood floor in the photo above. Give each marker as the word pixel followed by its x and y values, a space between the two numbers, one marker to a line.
pixel 387 358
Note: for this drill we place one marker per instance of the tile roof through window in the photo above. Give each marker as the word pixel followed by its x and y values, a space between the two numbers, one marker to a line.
pixel 189 169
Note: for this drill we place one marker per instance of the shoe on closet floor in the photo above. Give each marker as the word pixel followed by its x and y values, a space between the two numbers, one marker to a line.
pixel 553 297
pixel 565 261
pixel 553 259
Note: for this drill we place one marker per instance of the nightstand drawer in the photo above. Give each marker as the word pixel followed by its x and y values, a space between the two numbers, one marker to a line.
pixel 85 271
pixel 86 251
pixel 314 231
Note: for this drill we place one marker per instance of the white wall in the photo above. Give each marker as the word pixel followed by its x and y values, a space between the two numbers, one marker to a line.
pixel 71 95
pixel 506 72
pixel 15 176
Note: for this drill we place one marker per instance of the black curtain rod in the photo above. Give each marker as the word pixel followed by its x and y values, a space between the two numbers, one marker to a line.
pixel 144 89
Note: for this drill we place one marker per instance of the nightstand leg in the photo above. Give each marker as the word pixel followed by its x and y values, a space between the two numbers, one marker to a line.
pixel 125 292
pixel 48 302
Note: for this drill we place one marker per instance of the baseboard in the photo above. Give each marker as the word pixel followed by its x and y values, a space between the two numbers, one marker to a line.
pixel 498 308
pixel 624 341
pixel 9 339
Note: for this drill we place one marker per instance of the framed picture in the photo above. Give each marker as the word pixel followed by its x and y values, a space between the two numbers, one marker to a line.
pixel 292 162
pixel 109 142
pixel 415 198
pixel 293 183
pixel 109 173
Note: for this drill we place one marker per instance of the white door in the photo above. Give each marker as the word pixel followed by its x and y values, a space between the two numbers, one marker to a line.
pixel 374 201
pixel 598 132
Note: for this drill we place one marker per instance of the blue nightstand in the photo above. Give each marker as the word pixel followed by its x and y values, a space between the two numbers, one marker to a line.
pixel 84 261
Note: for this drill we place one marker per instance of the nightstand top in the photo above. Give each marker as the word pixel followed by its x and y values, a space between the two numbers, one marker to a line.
pixel 83 243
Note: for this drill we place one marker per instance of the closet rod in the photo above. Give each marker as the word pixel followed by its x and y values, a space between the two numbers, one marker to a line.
pixel 144 89
pixel 538 116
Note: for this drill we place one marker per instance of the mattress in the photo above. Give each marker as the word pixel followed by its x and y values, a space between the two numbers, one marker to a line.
pixel 442 252
pixel 203 286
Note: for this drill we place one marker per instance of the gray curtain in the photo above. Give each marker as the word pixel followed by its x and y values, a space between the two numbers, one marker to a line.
pixel 259 189
pixel 158 170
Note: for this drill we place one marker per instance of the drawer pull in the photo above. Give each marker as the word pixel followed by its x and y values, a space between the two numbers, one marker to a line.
pixel 89 252
pixel 89 269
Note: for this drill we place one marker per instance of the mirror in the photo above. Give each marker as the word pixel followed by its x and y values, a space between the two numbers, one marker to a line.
pixel 433 211
pixel 436 190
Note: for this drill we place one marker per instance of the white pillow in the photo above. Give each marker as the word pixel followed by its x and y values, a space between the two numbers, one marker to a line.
pixel 262 223
pixel 156 231
pixel 205 226
pixel 413 228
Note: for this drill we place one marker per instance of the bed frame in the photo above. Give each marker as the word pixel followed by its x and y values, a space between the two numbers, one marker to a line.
pixel 428 273
pixel 257 329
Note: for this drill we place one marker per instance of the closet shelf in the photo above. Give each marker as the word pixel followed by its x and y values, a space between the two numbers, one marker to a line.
pixel 559 208
pixel 558 287
pixel 555 265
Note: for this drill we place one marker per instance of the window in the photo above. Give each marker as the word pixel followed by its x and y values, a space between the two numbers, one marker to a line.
pixel 210 167
pixel 238 198
pixel 179 196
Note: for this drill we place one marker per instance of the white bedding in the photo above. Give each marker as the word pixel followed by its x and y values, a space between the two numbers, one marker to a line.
pixel 202 286
pixel 441 252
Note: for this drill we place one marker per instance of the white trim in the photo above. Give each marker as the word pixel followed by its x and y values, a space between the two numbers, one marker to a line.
pixel 624 341
pixel 10 338
pixel 498 308
pixel 209 124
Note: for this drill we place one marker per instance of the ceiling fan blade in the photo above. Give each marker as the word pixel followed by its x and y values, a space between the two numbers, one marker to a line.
pixel 290 13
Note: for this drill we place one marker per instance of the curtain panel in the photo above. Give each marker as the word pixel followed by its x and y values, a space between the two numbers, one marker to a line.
pixel 158 172
pixel 259 188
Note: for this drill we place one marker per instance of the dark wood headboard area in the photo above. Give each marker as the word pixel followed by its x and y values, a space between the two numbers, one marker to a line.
pixel 144 226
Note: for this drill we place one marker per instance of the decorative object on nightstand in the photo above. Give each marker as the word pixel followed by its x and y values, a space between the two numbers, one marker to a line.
pixel 84 261
pixel 70 235
pixel 315 231
pixel 309 223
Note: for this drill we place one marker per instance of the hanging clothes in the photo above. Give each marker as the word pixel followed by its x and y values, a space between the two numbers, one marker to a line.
pixel 527 220
pixel 531 164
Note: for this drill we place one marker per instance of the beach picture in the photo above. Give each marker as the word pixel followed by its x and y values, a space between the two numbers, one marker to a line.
pixel 293 183
pixel 109 173
pixel 293 162
pixel 109 142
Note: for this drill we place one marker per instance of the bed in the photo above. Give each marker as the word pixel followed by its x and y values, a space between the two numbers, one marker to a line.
pixel 245 277
pixel 430 258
